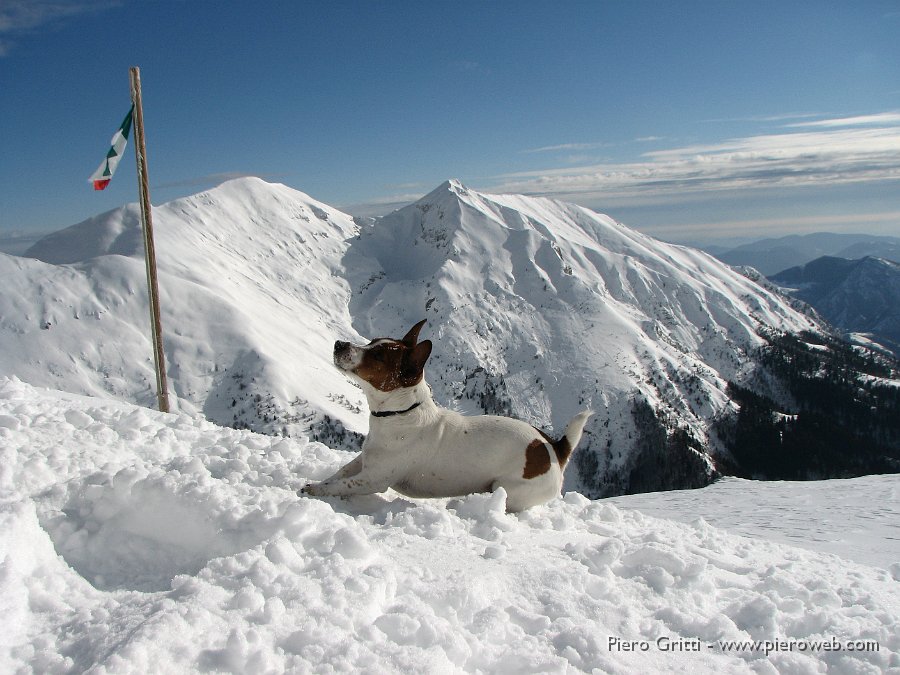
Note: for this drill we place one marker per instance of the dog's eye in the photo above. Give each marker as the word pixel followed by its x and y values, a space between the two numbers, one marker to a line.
pixel 382 353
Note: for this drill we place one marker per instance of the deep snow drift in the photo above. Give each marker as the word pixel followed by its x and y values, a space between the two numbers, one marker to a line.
pixel 137 542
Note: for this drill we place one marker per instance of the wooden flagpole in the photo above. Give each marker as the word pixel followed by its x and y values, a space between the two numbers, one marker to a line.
pixel 140 152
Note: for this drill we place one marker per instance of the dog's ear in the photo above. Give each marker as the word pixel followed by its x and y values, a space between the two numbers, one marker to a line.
pixel 415 360
pixel 412 336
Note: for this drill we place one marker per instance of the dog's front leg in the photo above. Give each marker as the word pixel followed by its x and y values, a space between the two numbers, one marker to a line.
pixel 366 482
pixel 349 469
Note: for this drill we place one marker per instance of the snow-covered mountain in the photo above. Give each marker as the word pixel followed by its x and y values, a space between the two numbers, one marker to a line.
pixel 137 542
pixel 541 308
pixel 857 296
pixel 252 298
pixel 537 308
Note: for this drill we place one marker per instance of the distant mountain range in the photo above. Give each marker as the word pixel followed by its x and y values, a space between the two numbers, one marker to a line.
pixel 857 296
pixel 537 309
pixel 771 256
pixel 16 243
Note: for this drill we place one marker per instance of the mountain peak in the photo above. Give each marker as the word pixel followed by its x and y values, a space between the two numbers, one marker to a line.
pixel 253 185
pixel 877 262
pixel 449 188
pixel 246 180
pixel 236 210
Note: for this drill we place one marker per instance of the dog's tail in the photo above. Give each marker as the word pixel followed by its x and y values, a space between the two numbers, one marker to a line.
pixel 565 445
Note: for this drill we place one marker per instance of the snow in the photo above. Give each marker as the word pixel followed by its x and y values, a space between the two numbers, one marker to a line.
pixel 133 541
pixel 137 542
pixel 824 515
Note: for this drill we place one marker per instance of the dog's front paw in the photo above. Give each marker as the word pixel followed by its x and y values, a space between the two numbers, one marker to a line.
pixel 312 489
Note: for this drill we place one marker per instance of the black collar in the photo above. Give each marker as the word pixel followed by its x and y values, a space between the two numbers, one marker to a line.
pixel 391 413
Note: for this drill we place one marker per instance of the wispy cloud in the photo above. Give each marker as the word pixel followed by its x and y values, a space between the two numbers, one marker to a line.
pixel 406 186
pixel 592 145
pixel 859 149
pixel 878 119
pixel 19 18
pixel 567 147
pixel 783 117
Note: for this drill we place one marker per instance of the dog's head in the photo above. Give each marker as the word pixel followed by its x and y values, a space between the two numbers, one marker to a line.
pixel 385 363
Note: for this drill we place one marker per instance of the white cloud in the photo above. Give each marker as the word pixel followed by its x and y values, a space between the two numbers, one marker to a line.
pixel 888 118
pixel 826 155
pixel 768 118
pixel 567 147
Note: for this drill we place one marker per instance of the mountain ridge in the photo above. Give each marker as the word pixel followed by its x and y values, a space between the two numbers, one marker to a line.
pixel 773 255
pixel 537 309
pixel 857 296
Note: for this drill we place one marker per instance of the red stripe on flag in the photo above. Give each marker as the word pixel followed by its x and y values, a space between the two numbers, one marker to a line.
pixel 101 184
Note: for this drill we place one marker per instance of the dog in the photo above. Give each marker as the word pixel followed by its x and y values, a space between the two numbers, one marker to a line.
pixel 422 450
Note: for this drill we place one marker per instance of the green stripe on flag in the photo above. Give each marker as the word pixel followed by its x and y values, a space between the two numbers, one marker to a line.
pixel 104 172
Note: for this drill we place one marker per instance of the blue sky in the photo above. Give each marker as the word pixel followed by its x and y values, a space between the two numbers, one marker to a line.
pixel 687 120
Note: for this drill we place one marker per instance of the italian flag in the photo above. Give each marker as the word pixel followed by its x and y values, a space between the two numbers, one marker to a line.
pixel 105 171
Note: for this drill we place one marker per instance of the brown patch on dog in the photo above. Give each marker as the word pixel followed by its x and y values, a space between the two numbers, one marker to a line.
pixel 381 365
pixel 387 364
pixel 562 448
pixel 392 364
pixel 537 460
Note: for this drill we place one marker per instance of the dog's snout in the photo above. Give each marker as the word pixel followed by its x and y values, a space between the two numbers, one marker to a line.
pixel 342 354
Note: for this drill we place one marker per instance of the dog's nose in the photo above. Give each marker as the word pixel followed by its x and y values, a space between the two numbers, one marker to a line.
pixel 340 346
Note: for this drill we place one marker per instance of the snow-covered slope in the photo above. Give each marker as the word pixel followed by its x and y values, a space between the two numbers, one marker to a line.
pixel 252 299
pixel 537 308
pixel 137 542
pixel 550 308
pixel 828 516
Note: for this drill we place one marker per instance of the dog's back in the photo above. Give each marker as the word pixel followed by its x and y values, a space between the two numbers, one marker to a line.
pixel 453 455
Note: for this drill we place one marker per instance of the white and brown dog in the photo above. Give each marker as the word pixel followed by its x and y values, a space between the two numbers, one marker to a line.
pixel 422 450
